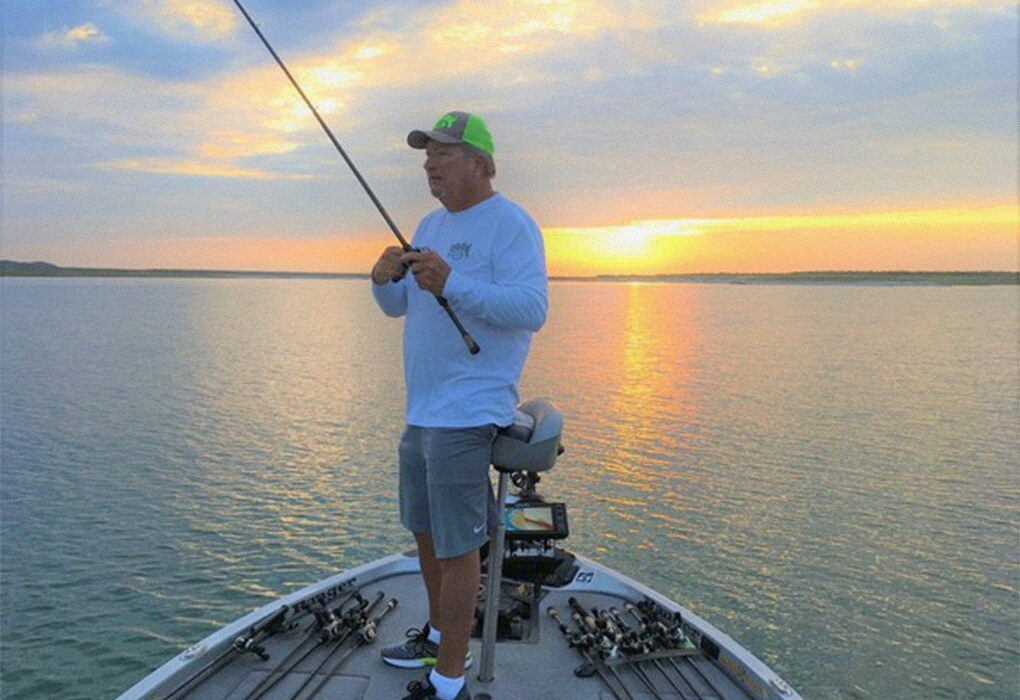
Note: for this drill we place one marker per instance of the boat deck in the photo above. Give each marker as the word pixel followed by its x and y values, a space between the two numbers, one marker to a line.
pixel 540 666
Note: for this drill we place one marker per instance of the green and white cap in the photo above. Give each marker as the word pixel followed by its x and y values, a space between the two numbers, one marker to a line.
pixel 455 127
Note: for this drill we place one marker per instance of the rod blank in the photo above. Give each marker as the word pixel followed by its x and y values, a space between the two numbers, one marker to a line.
pixel 468 340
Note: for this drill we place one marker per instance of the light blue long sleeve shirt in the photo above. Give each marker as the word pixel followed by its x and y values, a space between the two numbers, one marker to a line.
pixel 498 287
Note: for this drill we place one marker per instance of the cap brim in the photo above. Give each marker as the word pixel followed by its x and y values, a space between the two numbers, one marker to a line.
pixel 419 139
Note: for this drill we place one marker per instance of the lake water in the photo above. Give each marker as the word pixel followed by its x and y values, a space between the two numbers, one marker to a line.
pixel 828 473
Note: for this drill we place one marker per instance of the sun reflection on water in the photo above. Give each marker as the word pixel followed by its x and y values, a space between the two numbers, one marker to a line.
pixel 630 412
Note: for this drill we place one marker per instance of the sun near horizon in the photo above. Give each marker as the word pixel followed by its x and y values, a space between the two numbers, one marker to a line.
pixel 948 239
pixel 964 238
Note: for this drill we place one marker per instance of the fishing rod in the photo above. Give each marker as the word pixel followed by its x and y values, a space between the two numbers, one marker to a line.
pixel 247 643
pixel 609 646
pixel 654 619
pixel 599 644
pixel 366 634
pixel 641 645
pixel 323 621
pixel 584 644
pixel 625 646
pixel 351 621
pixel 601 647
pixel 468 340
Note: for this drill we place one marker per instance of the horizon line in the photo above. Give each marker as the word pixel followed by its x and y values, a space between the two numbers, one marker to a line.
pixel 39 268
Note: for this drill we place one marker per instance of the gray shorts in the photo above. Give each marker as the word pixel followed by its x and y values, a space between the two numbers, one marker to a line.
pixel 444 486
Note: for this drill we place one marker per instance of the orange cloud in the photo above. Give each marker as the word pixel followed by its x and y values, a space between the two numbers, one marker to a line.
pixel 964 238
pixel 198 168
pixel 766 13
pixel 259 253
pixel 201 20
pixel 773 13
pixel 349 255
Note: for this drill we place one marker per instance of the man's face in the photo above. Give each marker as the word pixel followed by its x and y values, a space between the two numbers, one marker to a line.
pixel 452 176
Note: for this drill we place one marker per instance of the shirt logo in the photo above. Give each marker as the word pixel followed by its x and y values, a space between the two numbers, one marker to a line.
pixel 459 251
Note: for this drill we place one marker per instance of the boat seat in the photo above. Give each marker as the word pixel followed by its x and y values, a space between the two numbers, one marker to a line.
pixel 532 442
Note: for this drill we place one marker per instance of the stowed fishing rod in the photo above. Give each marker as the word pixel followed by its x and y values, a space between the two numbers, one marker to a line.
pixel 468 340
pixel 247 643
pixel 639 641
pixel 335 635
pixel 332 627
pixel 663 629
pixel 657 647
pixel 364 629
pixel 328 624
pixel 587 645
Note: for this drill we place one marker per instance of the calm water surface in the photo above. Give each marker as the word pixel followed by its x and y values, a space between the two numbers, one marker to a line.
pixel 828 473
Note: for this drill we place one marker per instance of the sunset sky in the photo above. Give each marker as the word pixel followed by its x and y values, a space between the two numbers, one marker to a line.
pixel 644 136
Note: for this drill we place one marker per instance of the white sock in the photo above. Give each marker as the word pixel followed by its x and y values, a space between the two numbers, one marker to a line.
pixel 434 635
pixel 446 688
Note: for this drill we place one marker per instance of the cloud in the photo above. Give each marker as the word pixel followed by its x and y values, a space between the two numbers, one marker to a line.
pixel 607 114
pixel 528 26
pixel 67 38
pixel 195 20
pixel 114 106
pixel 512 41
pixel 159 126
pixel 768 13
pixel 775 13
pixel 216 168
pixel 508 57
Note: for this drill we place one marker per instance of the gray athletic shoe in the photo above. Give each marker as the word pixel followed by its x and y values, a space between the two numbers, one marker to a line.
pixel 417 651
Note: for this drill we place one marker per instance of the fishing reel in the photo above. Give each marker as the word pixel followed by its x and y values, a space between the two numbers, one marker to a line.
pixel 246 645
pixel 407 266
pixel 247 642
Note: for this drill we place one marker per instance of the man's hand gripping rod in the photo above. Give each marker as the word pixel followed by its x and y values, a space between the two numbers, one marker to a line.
pixel 468 340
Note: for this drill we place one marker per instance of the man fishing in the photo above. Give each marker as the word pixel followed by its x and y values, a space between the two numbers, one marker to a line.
pixel 484 255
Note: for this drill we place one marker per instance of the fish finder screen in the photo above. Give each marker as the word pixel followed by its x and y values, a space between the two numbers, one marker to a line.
pixel 537 521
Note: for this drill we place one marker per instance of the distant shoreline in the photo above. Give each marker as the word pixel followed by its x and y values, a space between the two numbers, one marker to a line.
pixel 12 268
